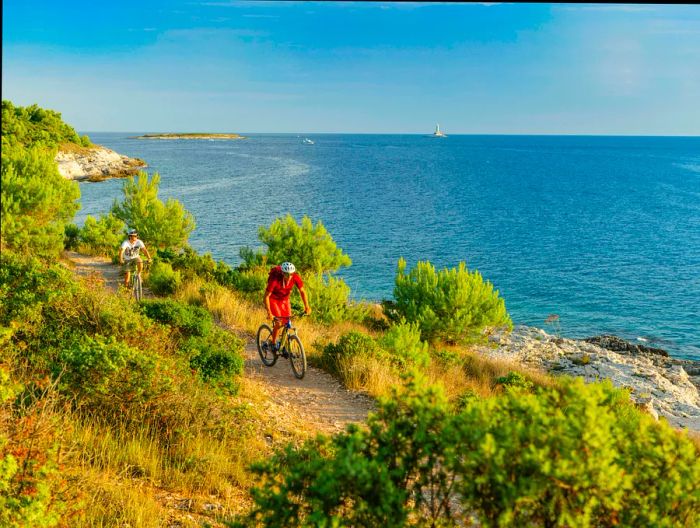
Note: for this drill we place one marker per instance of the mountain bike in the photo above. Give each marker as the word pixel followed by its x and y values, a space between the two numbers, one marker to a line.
pixel 289 346
pixel 136 282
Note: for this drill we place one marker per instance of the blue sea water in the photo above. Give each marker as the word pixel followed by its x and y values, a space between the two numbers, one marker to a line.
pixel 603 231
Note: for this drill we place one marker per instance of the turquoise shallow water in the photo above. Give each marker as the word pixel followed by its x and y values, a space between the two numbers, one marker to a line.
pixel 603 231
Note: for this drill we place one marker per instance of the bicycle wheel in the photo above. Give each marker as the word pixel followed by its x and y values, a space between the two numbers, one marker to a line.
pixel 297 357
pixel 138 287
pixel 264 342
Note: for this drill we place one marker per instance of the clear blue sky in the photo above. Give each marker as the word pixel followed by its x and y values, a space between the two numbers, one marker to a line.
pixel 217 65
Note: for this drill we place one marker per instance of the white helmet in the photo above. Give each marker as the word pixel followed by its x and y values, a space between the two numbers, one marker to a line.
pixel 288 267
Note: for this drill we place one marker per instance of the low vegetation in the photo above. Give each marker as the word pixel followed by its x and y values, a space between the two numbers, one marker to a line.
pixel 111 408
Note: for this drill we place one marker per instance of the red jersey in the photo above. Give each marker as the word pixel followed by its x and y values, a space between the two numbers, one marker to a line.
pixel 276 287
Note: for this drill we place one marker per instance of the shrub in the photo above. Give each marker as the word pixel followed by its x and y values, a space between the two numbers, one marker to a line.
pixel 363 477
pixel 328 296
pixel 102 236
pixel 189 320
pixel 161 225
pixel 515 380
pixel 309 247
pixel 217 358
pixel 26 284
pixel 556 457
pixel 36 202
pixel 352 344
pixel 454 304
pixel 403 341
pixel 251 282
pixel 162 279
pixel 104 370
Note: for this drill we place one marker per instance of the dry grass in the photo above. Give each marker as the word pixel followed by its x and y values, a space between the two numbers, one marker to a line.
pixel 74 148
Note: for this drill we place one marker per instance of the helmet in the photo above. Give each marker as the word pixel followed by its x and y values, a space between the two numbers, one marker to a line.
pixel 288 267
pixel 132 232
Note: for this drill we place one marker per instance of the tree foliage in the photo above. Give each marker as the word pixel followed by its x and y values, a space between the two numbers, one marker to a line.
pixel 453 304
pixel 101 236
pixel 162 225
pixel 310 247
pixel 576 456
pixel 37 201
pixel 27 126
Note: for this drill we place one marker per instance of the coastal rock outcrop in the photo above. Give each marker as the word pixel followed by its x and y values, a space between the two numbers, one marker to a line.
pixel 96 163
pixel 664 386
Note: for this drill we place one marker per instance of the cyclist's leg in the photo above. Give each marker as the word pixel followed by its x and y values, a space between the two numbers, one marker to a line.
pixel 139 264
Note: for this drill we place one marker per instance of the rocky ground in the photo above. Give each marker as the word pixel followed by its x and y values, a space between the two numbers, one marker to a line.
pixel 664 386
pixel 96 163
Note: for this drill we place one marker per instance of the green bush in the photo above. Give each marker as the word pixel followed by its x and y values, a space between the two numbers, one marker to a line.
pixel 30 125
pixel 352 344
pixel 515 380
pixel 26 284
pixel 36 201
pixel 251 282
pixel 365 477
pixel 454 305
pixel 189 320
pixel 162 279
pixel 105 370
pixel 218 358
pixel 328 296
pixel 103 236
pixel 309 247
pixel 404 342
pixel 575 456
pixel 161 225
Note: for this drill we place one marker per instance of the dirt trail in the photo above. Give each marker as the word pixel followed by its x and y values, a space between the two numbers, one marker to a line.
pixel 319 399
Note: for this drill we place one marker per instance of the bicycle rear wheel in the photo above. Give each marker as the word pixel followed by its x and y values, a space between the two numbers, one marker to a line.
pixel 138 287
pixel 264 343
pixel 297 357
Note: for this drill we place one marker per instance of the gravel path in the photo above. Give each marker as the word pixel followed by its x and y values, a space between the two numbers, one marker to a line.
pixel 319 399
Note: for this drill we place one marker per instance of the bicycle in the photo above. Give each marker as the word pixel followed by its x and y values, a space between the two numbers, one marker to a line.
pixel 289 346
pixel 136 282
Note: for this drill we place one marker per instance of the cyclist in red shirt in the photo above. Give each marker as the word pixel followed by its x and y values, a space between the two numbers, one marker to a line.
pixel 280 283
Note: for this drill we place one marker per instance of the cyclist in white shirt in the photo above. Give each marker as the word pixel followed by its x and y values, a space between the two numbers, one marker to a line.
pixel 129 255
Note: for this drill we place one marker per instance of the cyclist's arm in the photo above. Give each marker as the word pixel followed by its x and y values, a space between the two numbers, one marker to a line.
pixel 147 253
pixel 307 308
pixel 121 255
pixel 267 303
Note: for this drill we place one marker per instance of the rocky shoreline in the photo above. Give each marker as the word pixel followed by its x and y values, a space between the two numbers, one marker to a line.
pixel 664 386
pixel 96 163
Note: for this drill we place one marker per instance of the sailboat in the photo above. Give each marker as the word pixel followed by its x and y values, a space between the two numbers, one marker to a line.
pixel 438 132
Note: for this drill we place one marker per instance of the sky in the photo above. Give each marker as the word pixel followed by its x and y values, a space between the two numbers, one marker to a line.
pixel 374 67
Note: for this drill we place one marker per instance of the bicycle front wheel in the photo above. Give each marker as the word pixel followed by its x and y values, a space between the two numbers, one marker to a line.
pixel 264 343
pixel 138 287
pixel 297 357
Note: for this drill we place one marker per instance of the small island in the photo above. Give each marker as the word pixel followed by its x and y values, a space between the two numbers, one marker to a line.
pixel 190 135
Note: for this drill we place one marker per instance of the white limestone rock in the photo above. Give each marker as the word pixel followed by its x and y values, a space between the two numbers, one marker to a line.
pixel 95 164
pixel 659 384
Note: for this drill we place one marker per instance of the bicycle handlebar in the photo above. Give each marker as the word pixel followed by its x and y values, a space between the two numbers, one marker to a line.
pixel 301 314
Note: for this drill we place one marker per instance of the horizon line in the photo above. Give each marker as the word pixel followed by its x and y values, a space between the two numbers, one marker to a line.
pixel 425 134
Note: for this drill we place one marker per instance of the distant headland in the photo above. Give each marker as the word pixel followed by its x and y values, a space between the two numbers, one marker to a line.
pixel 190 135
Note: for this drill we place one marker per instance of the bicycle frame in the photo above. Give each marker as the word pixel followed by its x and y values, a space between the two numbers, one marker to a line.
pixel 284 338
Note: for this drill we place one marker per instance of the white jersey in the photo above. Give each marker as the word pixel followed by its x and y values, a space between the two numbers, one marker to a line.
pixel 131 251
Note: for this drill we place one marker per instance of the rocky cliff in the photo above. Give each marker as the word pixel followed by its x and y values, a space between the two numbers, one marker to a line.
pixel 95 163
pixel 662 385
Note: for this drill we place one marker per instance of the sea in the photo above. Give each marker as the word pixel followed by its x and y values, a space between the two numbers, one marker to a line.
pixel 603 232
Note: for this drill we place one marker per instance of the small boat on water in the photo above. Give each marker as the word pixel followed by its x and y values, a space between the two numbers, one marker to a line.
pixel 307 141
pixel 438 132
